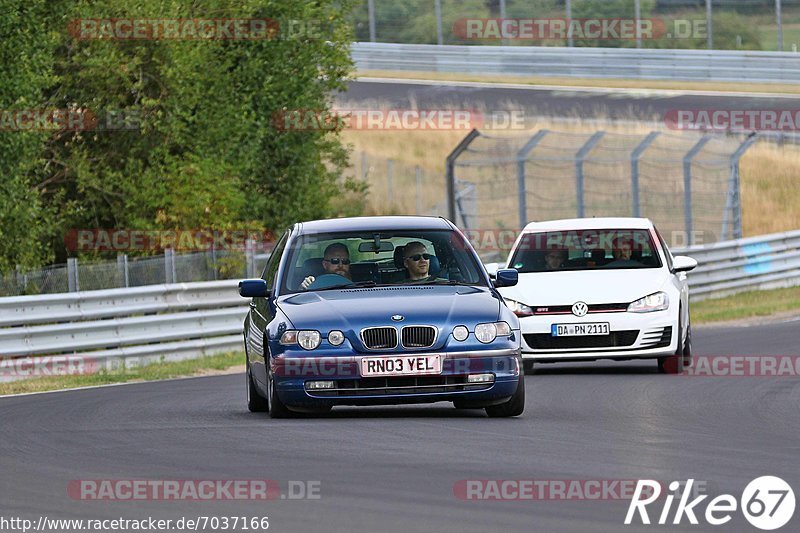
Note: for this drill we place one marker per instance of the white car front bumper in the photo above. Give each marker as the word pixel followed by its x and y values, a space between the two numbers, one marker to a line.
pixel 633 335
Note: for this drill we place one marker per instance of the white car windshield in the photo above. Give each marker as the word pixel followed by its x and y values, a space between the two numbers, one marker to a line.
pixel 585 249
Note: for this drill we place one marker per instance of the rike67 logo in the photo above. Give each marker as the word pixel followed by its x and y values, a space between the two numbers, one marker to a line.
pixel 767 503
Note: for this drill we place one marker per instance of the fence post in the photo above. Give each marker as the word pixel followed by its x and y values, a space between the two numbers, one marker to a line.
pixel 580 157
pixel 635 156
pixel 570 41
pixel 522 192
pixel 418 174
pixel 364 166
pixel 450 172
pixel 733 204
pixel 389 171
pixel 687 186
pixel 122 270
pixel 438 12
pixel 371 16
pixel 249 258
pixel 73 284
pixel 169 265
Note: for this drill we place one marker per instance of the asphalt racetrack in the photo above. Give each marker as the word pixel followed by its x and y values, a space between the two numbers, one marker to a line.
pixel 398 468
pixel 616 104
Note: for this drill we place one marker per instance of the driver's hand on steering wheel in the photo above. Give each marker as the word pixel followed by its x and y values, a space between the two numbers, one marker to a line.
pixel 306 282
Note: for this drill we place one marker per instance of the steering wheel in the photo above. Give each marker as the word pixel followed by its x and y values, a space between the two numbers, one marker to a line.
pixel 328 280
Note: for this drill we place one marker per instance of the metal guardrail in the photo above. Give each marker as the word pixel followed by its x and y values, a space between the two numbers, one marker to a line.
pixel 186 320
pixel 644 63
pixel 98 328
pixel 754 263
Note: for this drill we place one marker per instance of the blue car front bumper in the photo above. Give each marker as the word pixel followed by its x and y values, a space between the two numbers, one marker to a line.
pixel 291 377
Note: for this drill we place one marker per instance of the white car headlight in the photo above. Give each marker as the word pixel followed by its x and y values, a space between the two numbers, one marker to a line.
pixel 308 339
pixel 518 308
pixel 486 333
pixel 460 333
pixel 335 337
pixel 653 302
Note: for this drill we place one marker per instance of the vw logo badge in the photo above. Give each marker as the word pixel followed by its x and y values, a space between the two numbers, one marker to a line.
pixel 398 318
pixel 580 309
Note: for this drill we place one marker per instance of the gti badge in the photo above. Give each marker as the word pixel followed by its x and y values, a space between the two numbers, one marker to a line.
pixel 580 309
pixel 398 318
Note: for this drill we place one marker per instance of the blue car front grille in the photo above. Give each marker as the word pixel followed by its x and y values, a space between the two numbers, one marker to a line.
pixel 381 338
pixel 418 336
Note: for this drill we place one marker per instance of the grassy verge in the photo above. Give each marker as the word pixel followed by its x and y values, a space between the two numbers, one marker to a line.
pixel 154 372
pixel 746 305
pixel 589 82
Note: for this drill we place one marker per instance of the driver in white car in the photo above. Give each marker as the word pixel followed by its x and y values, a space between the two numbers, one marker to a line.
pixel 336 260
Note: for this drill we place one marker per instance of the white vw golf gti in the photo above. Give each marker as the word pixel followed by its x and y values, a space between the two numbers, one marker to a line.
pixel 600 288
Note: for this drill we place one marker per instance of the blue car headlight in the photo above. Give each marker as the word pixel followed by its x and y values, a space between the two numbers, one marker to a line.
pixel 335 337
pixel 307 339
pixel 488 332
pixel 460 333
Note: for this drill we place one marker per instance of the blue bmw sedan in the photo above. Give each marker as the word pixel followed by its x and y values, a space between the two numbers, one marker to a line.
pixel 379 311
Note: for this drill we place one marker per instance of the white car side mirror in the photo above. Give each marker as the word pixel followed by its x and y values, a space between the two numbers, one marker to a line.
pixel 682 263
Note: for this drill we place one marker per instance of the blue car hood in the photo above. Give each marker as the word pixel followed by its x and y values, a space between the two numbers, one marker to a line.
pixel 354 309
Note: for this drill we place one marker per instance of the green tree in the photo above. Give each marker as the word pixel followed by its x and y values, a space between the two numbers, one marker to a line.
pixel 26 70
pixel 203 150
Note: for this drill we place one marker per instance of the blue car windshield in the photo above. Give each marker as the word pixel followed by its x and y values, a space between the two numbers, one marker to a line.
pixel 597 249
pixel 323 261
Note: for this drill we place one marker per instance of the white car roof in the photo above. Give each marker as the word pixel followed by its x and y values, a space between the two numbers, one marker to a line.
pixel 589 223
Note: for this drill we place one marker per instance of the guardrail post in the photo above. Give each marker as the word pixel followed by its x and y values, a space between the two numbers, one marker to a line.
pixel 73 284
pixel 169 266
pixel 122 270
pixel 687 186
pixel 521 188
pixel 450 172
pixel 635 156
pixel 580 157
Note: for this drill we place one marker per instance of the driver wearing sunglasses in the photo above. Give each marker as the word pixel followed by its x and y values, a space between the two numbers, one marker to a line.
pixel 417 261
pixel 336 260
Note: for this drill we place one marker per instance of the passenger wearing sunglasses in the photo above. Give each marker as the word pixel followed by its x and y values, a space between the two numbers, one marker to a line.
pixel 417 261
pixel 336 261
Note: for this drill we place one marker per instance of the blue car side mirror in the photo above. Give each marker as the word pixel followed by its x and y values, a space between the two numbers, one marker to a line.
pixel 507 277
pixel 253 288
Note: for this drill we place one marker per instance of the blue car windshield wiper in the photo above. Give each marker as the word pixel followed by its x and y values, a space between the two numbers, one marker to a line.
pixel 446 282
pixel 356 285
